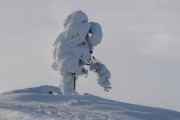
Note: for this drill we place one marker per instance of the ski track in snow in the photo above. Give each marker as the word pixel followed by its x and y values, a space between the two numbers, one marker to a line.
pixel 41 106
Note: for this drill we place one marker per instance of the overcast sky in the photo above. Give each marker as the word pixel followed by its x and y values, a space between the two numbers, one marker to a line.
pixel 140 47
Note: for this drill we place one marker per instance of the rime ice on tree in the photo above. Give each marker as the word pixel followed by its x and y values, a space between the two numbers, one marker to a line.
pixel 73 50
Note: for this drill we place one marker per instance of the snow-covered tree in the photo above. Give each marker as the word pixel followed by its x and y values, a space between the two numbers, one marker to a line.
pixel 72 52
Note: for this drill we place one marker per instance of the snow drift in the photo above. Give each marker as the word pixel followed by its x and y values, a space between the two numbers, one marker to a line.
pixel 35 103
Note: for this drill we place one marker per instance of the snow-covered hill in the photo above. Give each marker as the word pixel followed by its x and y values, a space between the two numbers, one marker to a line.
pixel 36 104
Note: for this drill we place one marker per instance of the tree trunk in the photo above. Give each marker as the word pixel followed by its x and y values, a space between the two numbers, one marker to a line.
pixel 74 83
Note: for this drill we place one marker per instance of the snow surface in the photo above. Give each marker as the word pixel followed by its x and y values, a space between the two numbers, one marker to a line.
pixel 36 104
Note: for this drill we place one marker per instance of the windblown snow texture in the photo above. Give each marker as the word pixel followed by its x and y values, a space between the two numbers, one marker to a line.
pixel 72 51
pixel 36 104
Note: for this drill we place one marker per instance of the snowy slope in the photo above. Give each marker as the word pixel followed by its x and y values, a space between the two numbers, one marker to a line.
pixel 36 104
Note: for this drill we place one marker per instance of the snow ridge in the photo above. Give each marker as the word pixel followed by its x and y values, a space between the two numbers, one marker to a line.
pixel 33 105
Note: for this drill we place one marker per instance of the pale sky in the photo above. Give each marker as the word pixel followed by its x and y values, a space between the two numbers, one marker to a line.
pixel 140 47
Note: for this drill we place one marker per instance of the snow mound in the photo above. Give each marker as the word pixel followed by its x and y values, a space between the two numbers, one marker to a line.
pixel 41 89
pixel 33 103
